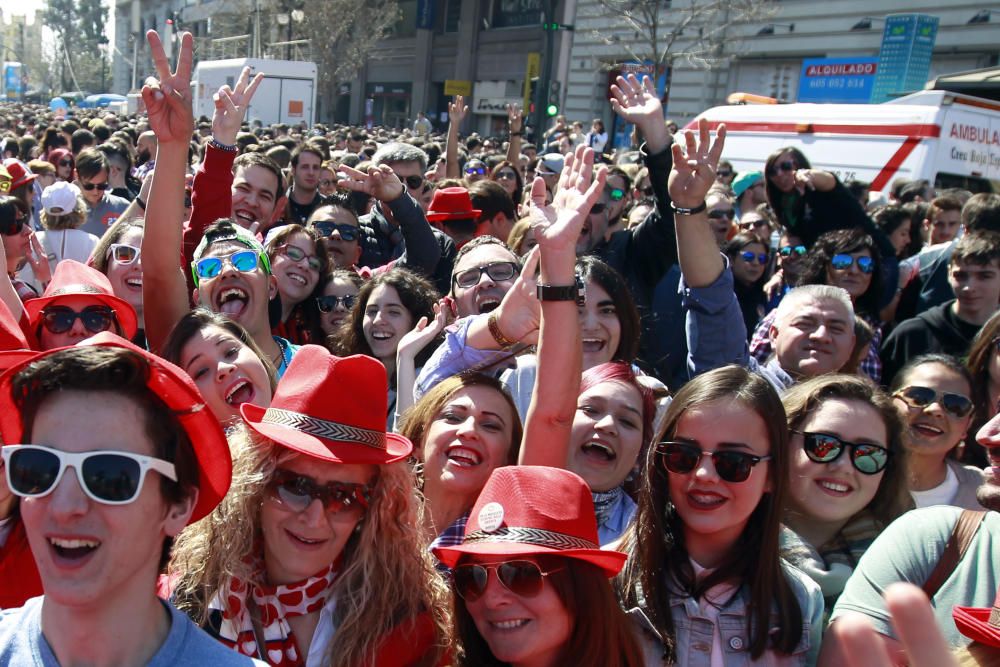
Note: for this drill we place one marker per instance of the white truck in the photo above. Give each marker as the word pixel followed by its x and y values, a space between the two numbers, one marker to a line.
pixel 287 94
pixel 952 140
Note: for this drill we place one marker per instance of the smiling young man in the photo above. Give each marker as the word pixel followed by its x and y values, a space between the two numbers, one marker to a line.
pixel 100 545
pixel 974 276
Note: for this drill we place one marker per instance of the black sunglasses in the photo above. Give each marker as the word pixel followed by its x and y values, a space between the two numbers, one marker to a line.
pixel 60 319
pixel 723 173
pixel 731 466
pixel 497 271
pixel 327 304
pixel 866 458
pixel 327 227
pixel 721 213
pixel 90 186
pixel 296 492
pixel 956 405
pixel 785 165
pixel 523 578
pixel 598 208
pixel 413 182
pixel 66 163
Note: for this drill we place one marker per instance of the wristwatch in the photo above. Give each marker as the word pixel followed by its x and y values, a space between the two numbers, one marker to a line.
pixel 689 211
pixel 575 292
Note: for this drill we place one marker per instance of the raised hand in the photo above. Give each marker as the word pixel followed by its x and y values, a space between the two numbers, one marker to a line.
pixel 425 331
pixel 557 225
pixel 693 172
pixel 380 182
pixel 231 106
pixel 519 313
pixel 39 260
pixel 637 102
pixel 515 118
pixel 457 110
pixel 168 100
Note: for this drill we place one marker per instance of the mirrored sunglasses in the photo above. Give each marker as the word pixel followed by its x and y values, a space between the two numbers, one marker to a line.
pixel 244 261
pixel 868 459
pixel 124 253
pixel 731 466
pixel 789 250
pixel 616 194
pixel 109 477
pixel 956 405
pixel 842 262
pixel 749 257
pixel 475 171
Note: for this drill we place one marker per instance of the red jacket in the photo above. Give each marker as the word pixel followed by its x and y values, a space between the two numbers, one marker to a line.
pixel 19 580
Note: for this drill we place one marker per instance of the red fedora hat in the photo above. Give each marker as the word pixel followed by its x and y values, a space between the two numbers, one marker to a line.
pixel 72 277
pixel 452 204
pixel 331 408
pixel 19 173
pixel 177 390
pixel 531 511
pixel 979 624
pixel 14 347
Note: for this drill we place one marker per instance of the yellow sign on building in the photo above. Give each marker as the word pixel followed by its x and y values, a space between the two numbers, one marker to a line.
pixel 531 70
pixel 458 87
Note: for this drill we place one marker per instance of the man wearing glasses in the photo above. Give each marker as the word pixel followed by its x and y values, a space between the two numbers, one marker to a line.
pixel 103 208
pixel 100 506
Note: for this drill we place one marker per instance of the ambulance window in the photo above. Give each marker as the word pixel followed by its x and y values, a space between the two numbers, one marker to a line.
pixel 973 184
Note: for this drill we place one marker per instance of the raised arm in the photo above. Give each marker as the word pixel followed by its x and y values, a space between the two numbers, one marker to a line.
pixel 457 110
pixel 557 228
pixel 168 103
pixel 515 120
pixel 691 177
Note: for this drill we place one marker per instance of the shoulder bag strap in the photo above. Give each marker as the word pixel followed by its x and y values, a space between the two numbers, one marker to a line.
pixel 961 536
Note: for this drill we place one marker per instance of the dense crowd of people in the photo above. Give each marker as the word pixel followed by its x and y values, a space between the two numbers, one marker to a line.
pixel 342 397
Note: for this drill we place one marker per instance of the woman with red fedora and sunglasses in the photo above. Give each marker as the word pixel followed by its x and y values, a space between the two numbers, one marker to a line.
pixel 315 557
pixel 530 581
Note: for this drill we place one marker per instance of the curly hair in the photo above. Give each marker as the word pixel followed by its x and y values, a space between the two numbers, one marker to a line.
pixel 844 241
pixel 388 548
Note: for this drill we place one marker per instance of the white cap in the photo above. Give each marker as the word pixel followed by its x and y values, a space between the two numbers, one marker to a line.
pixel 60 198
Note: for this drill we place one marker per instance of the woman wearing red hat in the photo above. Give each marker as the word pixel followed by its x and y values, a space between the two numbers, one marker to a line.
pixel 315 556
pixel 531 581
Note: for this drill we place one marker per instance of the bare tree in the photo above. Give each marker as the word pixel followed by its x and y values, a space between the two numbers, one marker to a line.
pixel 344 34
pixel 664 32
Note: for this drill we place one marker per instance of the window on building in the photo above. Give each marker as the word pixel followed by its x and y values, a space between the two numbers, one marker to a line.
pixel 513 13
pixel 452 13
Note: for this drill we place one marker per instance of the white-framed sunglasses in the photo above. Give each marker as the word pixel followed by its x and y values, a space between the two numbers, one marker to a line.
pixel 124 253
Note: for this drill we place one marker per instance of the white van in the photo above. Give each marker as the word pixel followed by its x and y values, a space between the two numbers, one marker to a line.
pixel 286 95
pixel 949 139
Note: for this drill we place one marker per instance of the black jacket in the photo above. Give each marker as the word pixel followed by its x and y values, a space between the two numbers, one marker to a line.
pixel 934 330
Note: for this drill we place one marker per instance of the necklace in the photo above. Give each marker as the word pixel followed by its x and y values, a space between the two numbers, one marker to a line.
pixel 281 359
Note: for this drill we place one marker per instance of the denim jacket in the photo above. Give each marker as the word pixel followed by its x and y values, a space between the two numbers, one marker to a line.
pixel 694 633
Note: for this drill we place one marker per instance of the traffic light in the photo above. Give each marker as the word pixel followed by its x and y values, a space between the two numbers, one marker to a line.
pixel 553 106
pixel 532 96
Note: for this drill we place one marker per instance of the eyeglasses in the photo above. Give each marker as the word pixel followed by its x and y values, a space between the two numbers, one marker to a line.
pixel 297 254
pixel 497 271
pixel 720 213
pixel 297 492
pixel 327 227
pixel 16 227
pixel 868 459
pixel 475 170
pixel 124 253
pixel 723 173
pixel 750 257
pixel 506 176
pixel 327 304
pixel 842 262
pixel 413 182
pixel 523 578
pixel 956 405
pixel 616 194
pixel 107 476
pixel 731 466
pixel 789 250
pixel 90 186
pixel 60 319
pixel 244 261
pixel 785 165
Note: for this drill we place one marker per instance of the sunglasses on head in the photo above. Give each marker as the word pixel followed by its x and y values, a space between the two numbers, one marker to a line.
pixel 731 466
pixel 842 262
pixel 868 459
pixel 124 253
pixel 90 186
pixel 327 227
pixel 327 304
pixel 414 182
pixel 15 227
pixel 60 319
pixel 789 250
pixel 719 214
pixel 297 254
pixel 497 271
pixel 523 578
pixel 616 194
pixel 475 170
pixel 956 405
pixel 244 261
pixel 297 492
pixel 109 477
pixel 750 257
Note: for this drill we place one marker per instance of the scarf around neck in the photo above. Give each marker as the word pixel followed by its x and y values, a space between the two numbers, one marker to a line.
pixel 274 606
pixel 605 502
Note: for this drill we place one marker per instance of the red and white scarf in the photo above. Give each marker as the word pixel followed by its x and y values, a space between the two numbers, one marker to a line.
pixel 275 605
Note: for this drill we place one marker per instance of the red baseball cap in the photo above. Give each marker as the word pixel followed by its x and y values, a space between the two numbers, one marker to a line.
pixel 452 204
pixel 331 408
pixel 979 624
pixel 72 277
pixel 176 389
pixel 533 511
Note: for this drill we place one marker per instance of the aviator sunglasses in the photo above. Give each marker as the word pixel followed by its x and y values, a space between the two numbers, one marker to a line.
pixel 523 578
pixel 956 405
pixel 109 477
pixel 60 319
pixel 750 257
pixel 328 227
pixel 731 466
pixel 868 459
pixel 297 492
pixel 789 250
pixel 206 268
pixel 842 262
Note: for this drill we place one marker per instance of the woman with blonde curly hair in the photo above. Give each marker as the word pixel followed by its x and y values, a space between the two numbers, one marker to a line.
pixel 315 555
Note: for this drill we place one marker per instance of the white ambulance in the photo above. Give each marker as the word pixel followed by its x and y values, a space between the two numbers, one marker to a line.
pixel 949 139
pixel 286 95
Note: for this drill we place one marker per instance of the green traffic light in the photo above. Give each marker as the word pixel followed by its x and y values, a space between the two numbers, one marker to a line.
pixel 552 110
